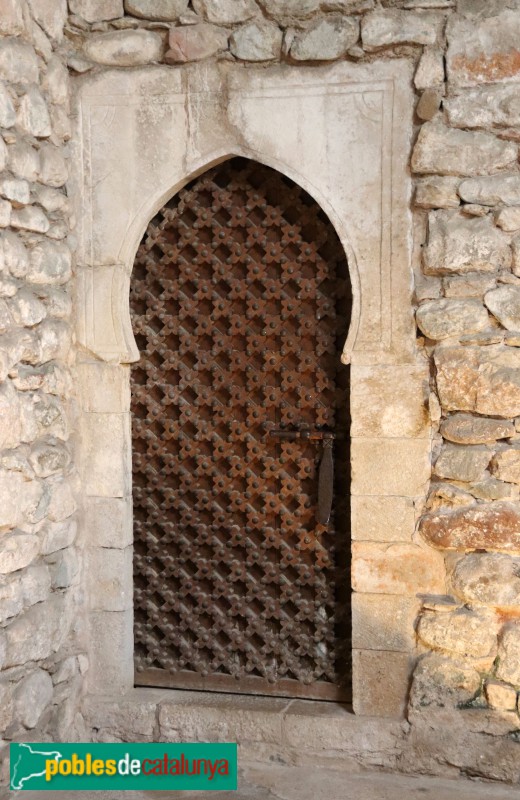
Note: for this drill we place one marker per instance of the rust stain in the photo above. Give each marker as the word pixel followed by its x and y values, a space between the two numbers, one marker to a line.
pixel 489 68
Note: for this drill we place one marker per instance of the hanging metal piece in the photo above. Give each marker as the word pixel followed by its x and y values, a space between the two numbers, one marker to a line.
pixel 326 482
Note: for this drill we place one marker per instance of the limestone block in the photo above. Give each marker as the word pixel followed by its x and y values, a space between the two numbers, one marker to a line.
pixel 483 52
pixel 445 495
pixel 380 408
pixel 325 39
pixel 440 319
pixel 11 18
pixel 468 429
pixel 508 663
pixel 382 519
pixel 53 340
pixel 430 70
pixel 383 622
pixel 110 578
pixel 50 263
pixel 30 218
pixel 401 466
pixel 47 458
pixel 104 387
pixel 282 9
pixel 442 681
pixel 33 114
pixel 11 428
pixel 468 633
pixel 493 489
pixel 383 28
pixel 132 718
pixel 257 41
pixel 429 103
pixel 50 199
pixel 50 15
pixel 476 379
pixel 18 550
pixel 15 190
pixel 489 578
pixel 18 62
pixel 491 190
pixel 24 161
pixel 508 219
pixel 402 569
pixel 53 168
pixel 106 471
pixel 108 522
pixel 459 244
pixel 348 6
pixel 22 589
pixel 195 42
pixel 487 526
pixel 500 695
pixel 33 695
pixel 504 304
pixel 38 632
pixel 446 151
pixel 484 107
pixel 156 9
pixel 226 12
pixel 58 535
pixel 462 462
pixel 437 192
pixel 7 112
pixel 506 465
pixel 64 568
pixel 124 48
pixel 97 10
pixel 18 497
pixel 56 82
pixel 26 309
pixel 380 682
pixel 5 214
pixel 112 655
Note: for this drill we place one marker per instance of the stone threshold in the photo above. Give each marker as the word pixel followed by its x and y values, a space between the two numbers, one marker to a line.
pixel 266 729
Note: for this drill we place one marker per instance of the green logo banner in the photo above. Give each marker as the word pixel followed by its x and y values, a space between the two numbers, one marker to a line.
pixel 44 765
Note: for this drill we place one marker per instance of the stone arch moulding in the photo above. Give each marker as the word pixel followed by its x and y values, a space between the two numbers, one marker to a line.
pixel 343 133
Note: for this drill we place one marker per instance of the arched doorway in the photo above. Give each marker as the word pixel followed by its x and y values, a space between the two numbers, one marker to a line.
pixel 241 303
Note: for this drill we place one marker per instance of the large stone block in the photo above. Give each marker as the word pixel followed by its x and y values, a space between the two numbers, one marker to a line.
pixel 195 42
pixel 402 569
pixel 384 28
pixel 226 12
pixel 384 622
pixel 469 429
pixel 18 497
pixel 166 10
pixel 130 718
pixel 326 39
pixel 112 653
pixel 97 10
pixel 446 151
pixel 18 550
pixel 488 526
pixel 484 107
pixel 38 632
pixel 442 681
pixel 462 462
pixel 380 682
pixel 508 662
pixel 390 466
pixel 284 9
pixel 491 190
pixel 440 319
pixel 489 578
pixel 380 408
pixel 125 48
pixel 110 578
pixel 382 519
pixel 11 18
pixel 459 244
pixel 506 465
pixel 50 15
pixel 504 304
pixel 32 696
pixel 108 522
pixel 104 387
pixel 257 41
pixel 105 454
pixel 483 50
pixel 18 62
pixel 468 633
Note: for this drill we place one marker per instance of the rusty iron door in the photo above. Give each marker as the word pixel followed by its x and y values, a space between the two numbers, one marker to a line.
pixel 240 302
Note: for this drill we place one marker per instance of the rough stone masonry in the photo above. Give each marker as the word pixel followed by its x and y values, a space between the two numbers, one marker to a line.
pixel 463 701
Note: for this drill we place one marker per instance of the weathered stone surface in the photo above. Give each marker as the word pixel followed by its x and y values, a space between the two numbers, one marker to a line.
pixel 22 589
pixel 24 161
pixel 57 536
pixel 403 466
pixel 18 497
pixel 485 107
pixel 62 503
pixel 33 115
pixel 257 41
pixel 379 408
pixel 458 244
pixel 483 53
pixel 281 9
pixel 18 62
pixel 30 218
pixel 32 696
pixel 493 489
pixel 380 682
pixel 18 550
pixel 437 192
pixel 441 150
pixel 48 458
pixel 483 380
pixel 64 568
pixel 108 522
pixel 430 71
pixel 38 632
pixel 396 569
pixel 508 668
pixel 504 304
pixel 7 112
pixel 447 496
pixel 53 168
pixel 488 526
pixel 326 39
pixel 429 104
pixel 383 622
pixel 49 263
pixel 468 429
pixel 383 28
pixel 11 17
pixel 508 219
pixel 506 465
pixel 194 42
pixel 15 190
pixel 489 578
pixel 26 309
pixel 156 9
pixel 441 681
pixel 226 12
pixel 462 462
pixel 440 319
pixel 500 695
pixel 50 15
pixel 382 519
pixel 110 570
pixel 491 190
pixel 97 10
pixel 470 634
pixel 124 48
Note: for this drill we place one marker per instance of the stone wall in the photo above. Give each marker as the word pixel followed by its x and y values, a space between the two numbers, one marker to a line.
pixel 463 701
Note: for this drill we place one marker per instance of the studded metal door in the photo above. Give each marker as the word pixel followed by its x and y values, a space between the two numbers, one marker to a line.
pixel 240 302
